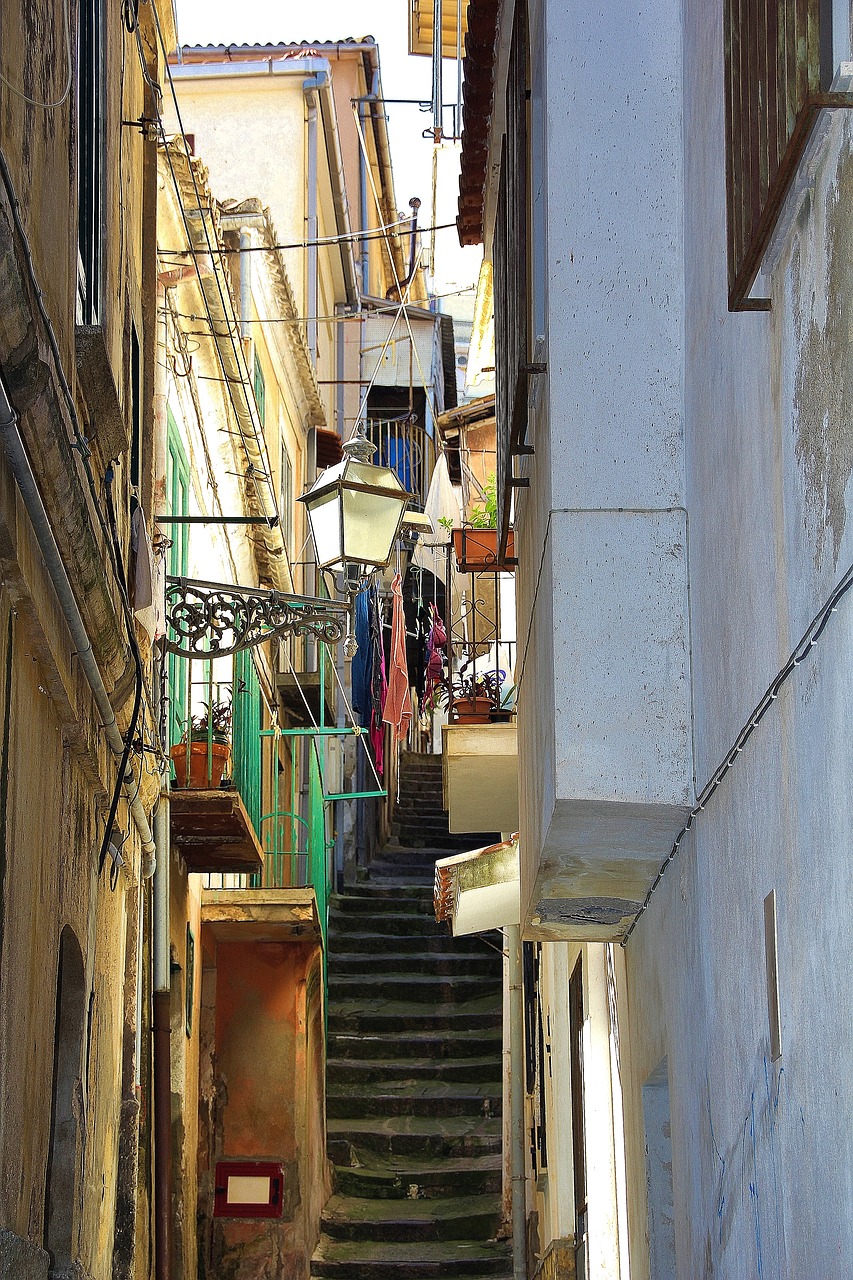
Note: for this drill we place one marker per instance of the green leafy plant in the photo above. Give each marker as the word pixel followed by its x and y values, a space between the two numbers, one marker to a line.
pixel 215 722
pixel 446 523
pixel 484 514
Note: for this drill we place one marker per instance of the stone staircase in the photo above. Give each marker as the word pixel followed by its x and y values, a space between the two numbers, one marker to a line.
pixel 414 1068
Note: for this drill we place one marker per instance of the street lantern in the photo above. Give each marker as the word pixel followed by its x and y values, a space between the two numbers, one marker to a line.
pixel 355 510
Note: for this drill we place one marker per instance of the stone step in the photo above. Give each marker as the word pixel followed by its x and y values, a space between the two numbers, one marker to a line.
pixel 435 1045
pixel 422 1137
pixel 388 889
pixel 444 963
pixel 416 988
pixel 437 1098
pixel 346 1260
pixel 379 904
pixel 385 925
pixel 368 1071
pixel 408 1221
pixel 401 1018
pixel 358 939
pixel 394 1179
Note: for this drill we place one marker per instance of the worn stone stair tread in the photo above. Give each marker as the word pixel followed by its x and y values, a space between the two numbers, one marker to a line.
pixel 402 1008
pixel 418 1089
pixel 369 1070
pixel 421 1170
pixel 407 1253
pixel 417 1126
pixel 364 1209
pixel 454 962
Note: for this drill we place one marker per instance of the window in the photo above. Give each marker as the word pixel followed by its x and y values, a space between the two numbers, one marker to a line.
pixel 781 62
pixel 576 1019
pixel 90 152
pixel 190 982
pixel 135 407
pixel 286 503
pixel 260 391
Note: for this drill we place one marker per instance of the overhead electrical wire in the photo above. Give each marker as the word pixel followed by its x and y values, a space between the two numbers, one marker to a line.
pixel 371 233
pixel 428 392
pixel 348 317
pixel 212 251
pixel 799 653
pixel 35 102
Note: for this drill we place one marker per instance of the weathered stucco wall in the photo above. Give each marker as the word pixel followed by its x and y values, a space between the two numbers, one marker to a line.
pixel 761 1150
pixel 263 1099
pixel 69 1106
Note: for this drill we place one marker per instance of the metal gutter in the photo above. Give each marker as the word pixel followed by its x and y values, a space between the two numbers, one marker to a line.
pixel 16 455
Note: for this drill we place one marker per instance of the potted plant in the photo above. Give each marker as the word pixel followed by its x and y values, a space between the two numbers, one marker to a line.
pixel 474 696
pixel 504 712
pixel 476 544
pixel 209 743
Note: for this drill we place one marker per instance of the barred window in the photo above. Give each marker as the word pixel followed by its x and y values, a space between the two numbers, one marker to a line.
pixel 785 60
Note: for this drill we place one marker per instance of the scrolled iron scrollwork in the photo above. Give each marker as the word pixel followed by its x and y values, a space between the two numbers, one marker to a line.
pixel 213 620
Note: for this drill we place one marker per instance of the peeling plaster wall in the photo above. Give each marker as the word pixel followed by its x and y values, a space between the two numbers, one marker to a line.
pixel 262 1094
pixel 761 1150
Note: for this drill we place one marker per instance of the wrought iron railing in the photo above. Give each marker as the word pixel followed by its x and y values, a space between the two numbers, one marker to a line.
pixel 403 445
pixel 481 644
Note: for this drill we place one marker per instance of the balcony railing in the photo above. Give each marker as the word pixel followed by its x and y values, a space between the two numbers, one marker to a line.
pixel 481 645
pixel 215 720
pixel 403 445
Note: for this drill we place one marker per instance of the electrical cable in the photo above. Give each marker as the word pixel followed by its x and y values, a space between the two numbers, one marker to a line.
pixel 808 640
pixel 130 735
pixel 34 102
pixel 252 473
pixel 358 237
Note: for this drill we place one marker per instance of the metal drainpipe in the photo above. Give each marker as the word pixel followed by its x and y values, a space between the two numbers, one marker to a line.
pixel 161 1028
pixel 310 88
pixel 161 1010
pixel 16 455
pixel 362 209
pixel 512 934
pixel 245 284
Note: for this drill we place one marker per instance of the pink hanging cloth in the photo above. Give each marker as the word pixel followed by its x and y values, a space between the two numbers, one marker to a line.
pixel 398 704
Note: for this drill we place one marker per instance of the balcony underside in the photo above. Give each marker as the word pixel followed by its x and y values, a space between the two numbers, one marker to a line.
pixel 261 915
pixel 598 862
pixel 213 832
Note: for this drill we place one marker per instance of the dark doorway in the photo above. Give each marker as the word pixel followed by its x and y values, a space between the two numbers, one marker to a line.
pixel 64 1136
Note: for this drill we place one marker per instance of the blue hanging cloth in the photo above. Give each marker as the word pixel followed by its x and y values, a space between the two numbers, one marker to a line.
pixel 362 663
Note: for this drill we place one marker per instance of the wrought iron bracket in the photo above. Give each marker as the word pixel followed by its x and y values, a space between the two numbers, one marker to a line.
pixel 213 619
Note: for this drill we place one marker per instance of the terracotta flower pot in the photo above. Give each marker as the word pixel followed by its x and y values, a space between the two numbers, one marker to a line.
pixel 201 777
pixel 471 710
pixel 476 550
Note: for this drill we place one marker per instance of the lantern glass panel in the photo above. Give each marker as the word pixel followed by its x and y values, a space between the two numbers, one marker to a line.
pixel 370 526
pixel 324 513
pixel 377 477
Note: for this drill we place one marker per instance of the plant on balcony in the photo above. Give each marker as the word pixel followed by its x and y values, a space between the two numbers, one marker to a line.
pixel 208 743
pixel 475 545
pixel 473 697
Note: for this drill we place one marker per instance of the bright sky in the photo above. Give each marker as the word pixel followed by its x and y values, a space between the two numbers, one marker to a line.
pixel 262 21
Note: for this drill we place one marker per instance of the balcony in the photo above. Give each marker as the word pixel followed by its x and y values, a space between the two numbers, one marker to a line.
pixel 215 801
pixel 403 445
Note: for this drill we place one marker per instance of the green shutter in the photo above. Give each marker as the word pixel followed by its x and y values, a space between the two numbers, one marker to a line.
pixel 178 504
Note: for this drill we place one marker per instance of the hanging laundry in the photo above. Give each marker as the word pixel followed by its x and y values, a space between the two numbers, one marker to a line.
pixel 436 643
pixel 362 663
pixel 398 704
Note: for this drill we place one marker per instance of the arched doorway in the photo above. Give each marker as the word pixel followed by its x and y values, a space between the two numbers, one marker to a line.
pixel 64 1114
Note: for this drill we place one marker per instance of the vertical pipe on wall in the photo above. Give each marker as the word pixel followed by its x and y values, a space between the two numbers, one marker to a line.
pixel 362 207
pixel 312 99
pixel 512 935
pixel 245 284
pixel 161 1026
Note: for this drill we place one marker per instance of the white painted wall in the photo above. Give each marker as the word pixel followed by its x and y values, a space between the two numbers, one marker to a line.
pixel 602 528
pixel 657 397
